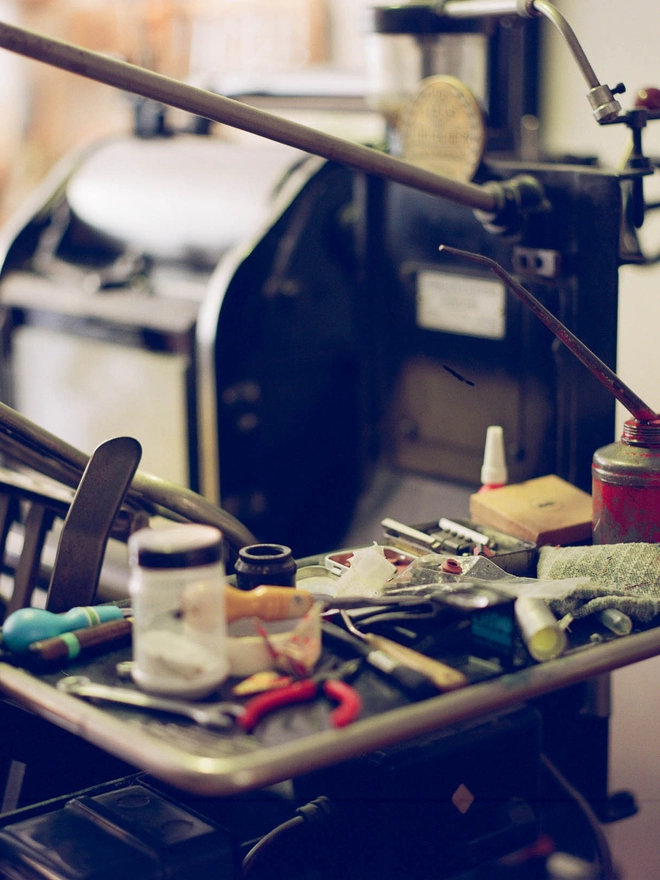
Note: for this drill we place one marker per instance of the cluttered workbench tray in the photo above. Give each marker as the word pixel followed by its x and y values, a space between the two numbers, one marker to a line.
pixel 300 738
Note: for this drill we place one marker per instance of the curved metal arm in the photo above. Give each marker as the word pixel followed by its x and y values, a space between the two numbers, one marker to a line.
pixel 601 97
pixel 554 15
pixel 24 441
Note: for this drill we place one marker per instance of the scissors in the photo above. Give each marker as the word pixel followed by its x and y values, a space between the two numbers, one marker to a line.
pixel 329 679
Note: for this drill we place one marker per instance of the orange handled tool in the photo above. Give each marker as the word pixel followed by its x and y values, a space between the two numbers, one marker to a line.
pixel 267 603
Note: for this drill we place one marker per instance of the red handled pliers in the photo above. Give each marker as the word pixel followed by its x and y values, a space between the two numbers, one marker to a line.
pixel 329 678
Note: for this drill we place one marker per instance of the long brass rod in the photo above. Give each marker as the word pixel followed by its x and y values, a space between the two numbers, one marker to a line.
pixel 598 368
pixel 209 105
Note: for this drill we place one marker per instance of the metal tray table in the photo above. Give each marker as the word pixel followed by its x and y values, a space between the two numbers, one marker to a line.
pixel 212 764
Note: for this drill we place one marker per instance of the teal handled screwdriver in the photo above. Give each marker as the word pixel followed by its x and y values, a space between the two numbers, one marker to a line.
pixel 28 625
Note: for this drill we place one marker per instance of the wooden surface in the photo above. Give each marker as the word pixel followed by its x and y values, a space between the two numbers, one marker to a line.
pixel 545 510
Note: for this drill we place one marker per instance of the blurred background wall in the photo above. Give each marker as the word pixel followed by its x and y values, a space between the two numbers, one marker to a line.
pixel 45 112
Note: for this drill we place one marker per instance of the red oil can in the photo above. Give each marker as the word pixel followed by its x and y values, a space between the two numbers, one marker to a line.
pixel 626 486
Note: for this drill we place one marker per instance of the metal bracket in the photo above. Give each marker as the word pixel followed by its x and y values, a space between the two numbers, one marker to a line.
pixel 541 262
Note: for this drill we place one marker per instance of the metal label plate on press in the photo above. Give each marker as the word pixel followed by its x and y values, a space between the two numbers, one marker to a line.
pixel 461 304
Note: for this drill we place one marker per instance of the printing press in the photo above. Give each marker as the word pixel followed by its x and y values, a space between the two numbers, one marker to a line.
pixel 372 305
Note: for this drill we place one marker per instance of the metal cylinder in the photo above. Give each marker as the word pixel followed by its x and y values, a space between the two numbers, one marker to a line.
pixel 626 486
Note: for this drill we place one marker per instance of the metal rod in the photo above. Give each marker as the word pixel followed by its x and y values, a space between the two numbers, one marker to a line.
pixel 558 20
pixel 526 8
pixel 24 441
pixel 479 8
pixel 208 105
pixel 634 404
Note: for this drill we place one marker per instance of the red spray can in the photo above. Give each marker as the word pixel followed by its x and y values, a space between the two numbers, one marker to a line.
pixel 626 486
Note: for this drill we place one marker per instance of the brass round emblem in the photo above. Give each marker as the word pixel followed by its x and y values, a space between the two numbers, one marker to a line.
pixel 443 128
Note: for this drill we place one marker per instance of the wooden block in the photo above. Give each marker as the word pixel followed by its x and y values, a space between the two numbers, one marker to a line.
pixel 546 510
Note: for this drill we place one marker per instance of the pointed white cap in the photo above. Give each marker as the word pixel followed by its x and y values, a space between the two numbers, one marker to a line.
pixel 494 468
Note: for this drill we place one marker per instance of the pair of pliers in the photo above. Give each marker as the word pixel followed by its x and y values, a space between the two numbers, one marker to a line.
pixel 329 678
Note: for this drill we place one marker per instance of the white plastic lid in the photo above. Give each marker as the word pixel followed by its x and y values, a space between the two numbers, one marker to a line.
pixel 494 468
pixel 180 546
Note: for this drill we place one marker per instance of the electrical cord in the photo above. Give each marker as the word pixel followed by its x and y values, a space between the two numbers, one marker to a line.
pixel 603 851
pixel 287 839
pixel 290 840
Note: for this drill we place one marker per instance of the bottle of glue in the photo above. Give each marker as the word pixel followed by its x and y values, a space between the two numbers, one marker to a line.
pixel 494 473
pixel 177 586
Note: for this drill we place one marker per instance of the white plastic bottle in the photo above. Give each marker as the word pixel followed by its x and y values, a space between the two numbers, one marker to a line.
pixel 177 588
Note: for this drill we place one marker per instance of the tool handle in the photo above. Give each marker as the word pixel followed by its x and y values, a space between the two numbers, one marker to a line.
pixel 81 686
pixel 59 649
pixel 267 603
pixel 445 677
pixel 28 625
pixel 416 685
pixel 257 707
pixel 350 702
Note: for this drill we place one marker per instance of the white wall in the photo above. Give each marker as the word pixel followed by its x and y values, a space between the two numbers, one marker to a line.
pixel 621 40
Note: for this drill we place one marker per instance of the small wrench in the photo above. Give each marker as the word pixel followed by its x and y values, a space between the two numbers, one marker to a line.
pixel 214 715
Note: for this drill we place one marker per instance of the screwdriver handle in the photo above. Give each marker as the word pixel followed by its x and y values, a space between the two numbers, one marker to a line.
pixel 416 685
pixel 267 603
pixel 80 642
pixel 27 625
pixel 445 677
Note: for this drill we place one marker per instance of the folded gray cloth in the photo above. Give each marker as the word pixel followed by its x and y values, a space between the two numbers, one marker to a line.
pixel 623 576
